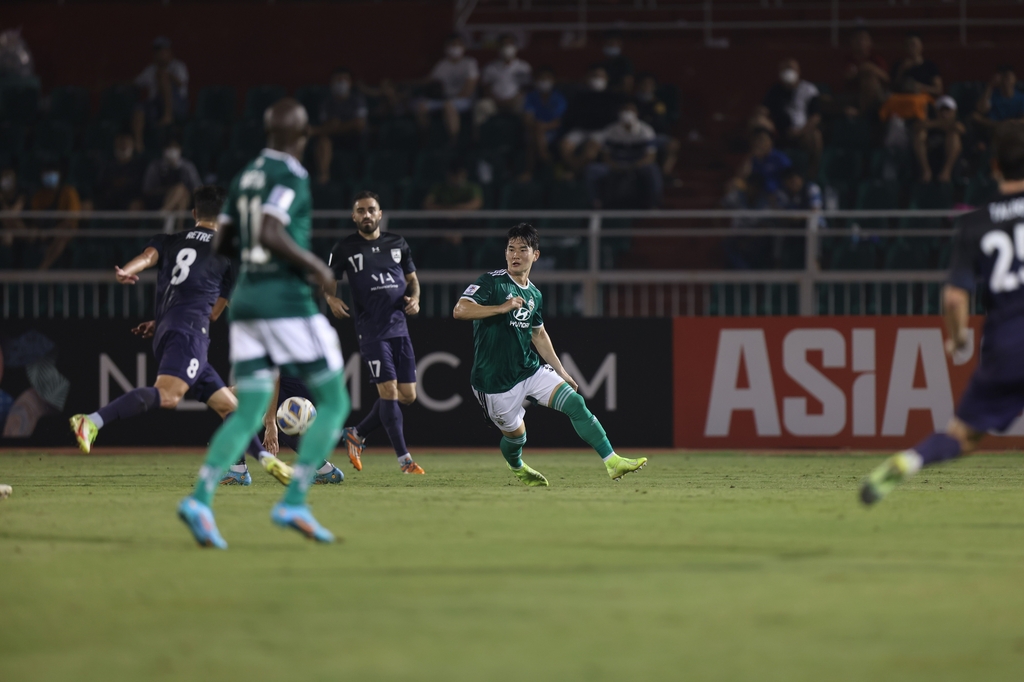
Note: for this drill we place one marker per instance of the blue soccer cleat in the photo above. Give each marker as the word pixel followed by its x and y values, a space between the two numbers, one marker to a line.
pixel 333 476
pixel 236 478
pixel 301 519
pixel 199 519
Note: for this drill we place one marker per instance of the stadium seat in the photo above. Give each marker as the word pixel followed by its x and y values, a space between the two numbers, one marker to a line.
pixel 313 98
pixel 117 103
pixel 441 254
pixel 877 195
pixel 569 252
pixel 70 105
pixel 99 137
pixel 12 138
pixel 216 104
pixel 845 254
pixel 19 104
pixel 345 166
pixel 201 142
pixel 385 167
pixel 83 171
pixel 893 165
pixel 502 131
pixel 398 134
pixel 431 167
pixel 849 133
pixel 908 254
pixel 331 196
pixel 840 170
pixel 53 138
pixel 228 165
pixel 966 94
pixel 981 188
pixel 258 98
pixel 929 196
pixel 248 137
pixel 522 196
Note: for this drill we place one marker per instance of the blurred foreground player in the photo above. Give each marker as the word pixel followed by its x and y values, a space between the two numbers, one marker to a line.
pixel 193 287
pixel 385 289
pixel 505 308
pixel 275 326
pixel 988 248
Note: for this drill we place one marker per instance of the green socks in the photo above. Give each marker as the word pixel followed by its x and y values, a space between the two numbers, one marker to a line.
pixel 590 430
pixel 332 408
pixel 512 450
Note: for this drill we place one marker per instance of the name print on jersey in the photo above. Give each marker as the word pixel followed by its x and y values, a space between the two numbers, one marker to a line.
pixel 201 236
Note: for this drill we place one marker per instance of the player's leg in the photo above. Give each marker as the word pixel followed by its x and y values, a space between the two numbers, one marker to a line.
pixel 547 386
pixel 293 387
pixel 505 410
pixel 223 401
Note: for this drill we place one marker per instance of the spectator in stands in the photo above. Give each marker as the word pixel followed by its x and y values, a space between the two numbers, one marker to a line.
pixel 543 111
pixel 618 67
pixel 456 193
pixel 790 109
pixel 170 180
pixel 588 114
pixel 342 123
pixel 747 193
pixel 867 74
pixel 119 187
pixel 764 162
pixel 797 195
pixel 504 81
pixel 915 74
pixel 1001 101
pixel 654 112
pixel 164 86
pixel 53 195
pixel 456 77
pixel 627 175
pixel 938 140
pixel 12 198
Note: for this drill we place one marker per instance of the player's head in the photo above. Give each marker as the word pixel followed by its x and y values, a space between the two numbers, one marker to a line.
pixel 207 201
pixel 287 126
pixel 1008 144
pixel 366 213
pixel 522 249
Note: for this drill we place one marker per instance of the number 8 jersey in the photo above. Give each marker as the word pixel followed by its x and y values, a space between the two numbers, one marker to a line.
pixel 273 184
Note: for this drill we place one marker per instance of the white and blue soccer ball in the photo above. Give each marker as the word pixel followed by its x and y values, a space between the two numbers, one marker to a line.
pixel 295 415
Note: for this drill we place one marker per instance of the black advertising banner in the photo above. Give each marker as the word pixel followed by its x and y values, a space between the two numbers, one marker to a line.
pixel 51 369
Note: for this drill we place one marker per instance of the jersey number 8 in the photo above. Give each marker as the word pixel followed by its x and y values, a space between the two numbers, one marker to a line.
pixel 182 266
pixel 250 211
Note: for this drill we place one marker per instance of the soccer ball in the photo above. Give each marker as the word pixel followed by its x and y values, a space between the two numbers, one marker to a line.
pixel 295 416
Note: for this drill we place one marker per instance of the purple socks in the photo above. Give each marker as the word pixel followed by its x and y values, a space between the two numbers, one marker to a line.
pixel 936 448
pixel 131 404
pixel 371 422
pixel 391 417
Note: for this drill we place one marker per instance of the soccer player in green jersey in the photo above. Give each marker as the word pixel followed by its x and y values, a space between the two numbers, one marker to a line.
pixel 275 325
pixel 506 311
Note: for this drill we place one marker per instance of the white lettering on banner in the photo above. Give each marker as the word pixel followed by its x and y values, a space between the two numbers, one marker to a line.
pixel 726 397
pixel 606 374
pixel 353 378
pixel 435 404
pixel 109 369
pixel 936 396
pixel 832 345
pixel 864 386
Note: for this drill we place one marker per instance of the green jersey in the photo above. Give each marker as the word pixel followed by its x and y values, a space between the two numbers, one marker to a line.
pixel 502 352
pixel 273 184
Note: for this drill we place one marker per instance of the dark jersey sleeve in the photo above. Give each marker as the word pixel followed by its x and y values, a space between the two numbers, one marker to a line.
pixel 227 280
pixel 480 291
pixel 962 267
pixel 157 242
pixel 407 265
pixel 336 261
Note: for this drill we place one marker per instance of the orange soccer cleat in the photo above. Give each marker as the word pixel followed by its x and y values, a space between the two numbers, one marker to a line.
pixel 412 468
pixel 355 446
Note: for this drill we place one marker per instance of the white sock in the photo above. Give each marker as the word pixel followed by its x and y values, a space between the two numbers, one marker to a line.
pixel 96 419
pixel 239 468
pixel 405 459
pixel 263 455
pixel 326 468
pixel 605 459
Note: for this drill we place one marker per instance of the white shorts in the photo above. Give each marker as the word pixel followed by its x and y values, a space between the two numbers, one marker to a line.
pixel 286 340
pixel 506 409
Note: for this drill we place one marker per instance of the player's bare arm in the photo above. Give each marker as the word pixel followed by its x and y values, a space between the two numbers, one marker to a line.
pixel 129 274
pixel 546 350
pixel 270 443
pixel 274 236
pixel 412 294
pixel 146 330
pixel 955 311
pixel 338 307
pixel 467 309
pixel 218 308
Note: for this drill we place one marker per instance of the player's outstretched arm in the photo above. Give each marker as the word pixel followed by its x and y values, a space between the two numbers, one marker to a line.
pixel 275 237
pixel 955 312
pixel 467 309
pixel 546 350
pixel 270 422
pixel 129 274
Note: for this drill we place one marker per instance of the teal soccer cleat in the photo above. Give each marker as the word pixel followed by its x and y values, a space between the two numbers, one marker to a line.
pixel 301 519
pixel 199 519
pixel 236 478
pixel 333 476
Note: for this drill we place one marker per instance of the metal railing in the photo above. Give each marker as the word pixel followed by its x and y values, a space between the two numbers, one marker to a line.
pixel 606 263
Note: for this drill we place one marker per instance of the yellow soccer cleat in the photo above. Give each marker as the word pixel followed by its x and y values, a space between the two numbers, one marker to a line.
pixel 278 469
pixel 620 466
pixel 85 431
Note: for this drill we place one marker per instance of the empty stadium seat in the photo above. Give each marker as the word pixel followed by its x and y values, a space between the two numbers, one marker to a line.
pixel 849 133
pixel 847 254
pixel 385 167
pixel 54 138
pixel 19 104
pixel 841 170
pixel 216 104
pixel 313 98
pixel 908 254
pixel 117 103
pixel 502 131
pixel 258 98
pixel 70 105
pixel 99 137
pixel 248 137
pixel 877 195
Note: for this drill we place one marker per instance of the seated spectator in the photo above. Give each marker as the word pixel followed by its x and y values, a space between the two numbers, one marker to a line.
pixel 618 67
pixel 794 194
pixel 456 193
pixel 867 74
pixel 455 77
pixel 938 140
pixel 588 114
pixel 915 74
pixel 654 113
pixel 170 181
pixel 765 162
pixel 164 86
pixel 53 195
pixel 504 81
pixel 747 193
pixel 119 187
pixel 342 123
pixel 628 175
pixel 1001 101
pixel 791 106
pixel 543 111
pixel 12 198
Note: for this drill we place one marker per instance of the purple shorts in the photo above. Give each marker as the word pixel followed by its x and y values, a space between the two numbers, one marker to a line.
pixel 989 405
pixel 182 354
pixel 390 360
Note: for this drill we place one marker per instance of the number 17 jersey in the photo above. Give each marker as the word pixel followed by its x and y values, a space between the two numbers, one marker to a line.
pixel 273 184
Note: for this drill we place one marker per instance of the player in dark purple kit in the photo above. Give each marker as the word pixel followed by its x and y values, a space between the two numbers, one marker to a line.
pixel 385 289
pixel 988 250
pixel 193 287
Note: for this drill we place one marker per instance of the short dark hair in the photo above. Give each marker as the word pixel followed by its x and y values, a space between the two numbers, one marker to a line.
pixel 208 200
pixel 526 232
pixel 365 194
pixel 1009 150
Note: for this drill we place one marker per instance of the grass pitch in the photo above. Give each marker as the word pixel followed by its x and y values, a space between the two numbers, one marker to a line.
pixel 700 567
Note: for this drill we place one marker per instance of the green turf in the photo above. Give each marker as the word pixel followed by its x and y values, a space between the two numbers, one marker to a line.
pixel 700 567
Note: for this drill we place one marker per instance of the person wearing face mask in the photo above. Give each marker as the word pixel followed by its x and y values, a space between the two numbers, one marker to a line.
pixel 170 180
pixel 119 187
pixel 456 78
pixel 53 195
pixel 618 67
pixel 627 175
pixel 590 111
pixel 342 123
pixel 12 198
pixel 503 82
pixel 791 106
pixel 543 111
